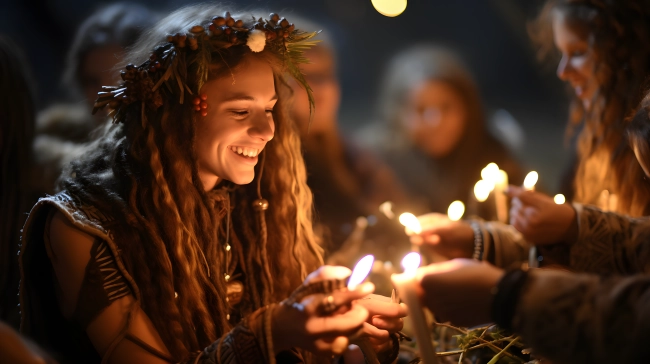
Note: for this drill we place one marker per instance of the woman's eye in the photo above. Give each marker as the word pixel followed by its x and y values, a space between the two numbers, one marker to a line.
pixel 269 111
pixel 240 112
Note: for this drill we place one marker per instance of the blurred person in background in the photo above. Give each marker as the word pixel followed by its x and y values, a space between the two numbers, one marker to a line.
pixel 605 61
pixel 98 46
pixel 347 181
pixel 16 135
pixel 434 134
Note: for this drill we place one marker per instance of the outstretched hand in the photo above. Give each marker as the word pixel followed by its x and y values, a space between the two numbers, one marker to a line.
pixel 539 219
pixel 311 325
pixel 385 318
pixel 445 238
pixel 459 290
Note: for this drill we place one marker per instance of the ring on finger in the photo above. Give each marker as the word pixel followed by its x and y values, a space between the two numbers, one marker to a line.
pixel 328 306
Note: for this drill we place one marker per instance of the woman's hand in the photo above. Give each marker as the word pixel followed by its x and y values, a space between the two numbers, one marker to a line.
pixel 459 290
pixel 445 238
pixel 539 219
pixel 307 325
pixel 385 318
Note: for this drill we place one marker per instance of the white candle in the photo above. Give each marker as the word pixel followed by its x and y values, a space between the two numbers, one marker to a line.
pixel 406 286
pixel 500 186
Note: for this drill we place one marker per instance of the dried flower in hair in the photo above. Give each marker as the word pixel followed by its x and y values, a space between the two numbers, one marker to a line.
pixel 256 40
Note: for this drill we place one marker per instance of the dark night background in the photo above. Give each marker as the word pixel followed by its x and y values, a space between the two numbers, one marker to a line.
pixel 490 35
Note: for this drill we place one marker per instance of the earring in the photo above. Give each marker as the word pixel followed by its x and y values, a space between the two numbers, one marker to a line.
pixel 201 105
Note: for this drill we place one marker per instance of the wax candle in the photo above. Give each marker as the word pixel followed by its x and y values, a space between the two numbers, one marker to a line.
pixel 559 199
pixel 406 286
pixel 500 187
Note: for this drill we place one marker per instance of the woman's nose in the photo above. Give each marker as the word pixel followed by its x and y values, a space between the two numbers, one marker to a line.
pixel 262 128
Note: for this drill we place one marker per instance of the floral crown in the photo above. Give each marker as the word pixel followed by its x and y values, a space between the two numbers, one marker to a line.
pixel 161 76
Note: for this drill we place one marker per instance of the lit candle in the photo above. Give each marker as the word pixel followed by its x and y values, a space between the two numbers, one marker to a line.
pixel 360 271
pixel 411 222
pixel 406 286
pixel 500 186
pixel 531 180
pixel 529 184
pixel 456 211
pixel 559 199
pixel 482 190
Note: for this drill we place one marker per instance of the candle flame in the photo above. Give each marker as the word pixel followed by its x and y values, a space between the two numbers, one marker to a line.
pixel 411 222
pixel 389 8
pixel 531 180
pixel 456 211
pixel 559 199
pixel 482 190
pixel 360 271
pixel 490 173
pixel 411 262
pixel 386 208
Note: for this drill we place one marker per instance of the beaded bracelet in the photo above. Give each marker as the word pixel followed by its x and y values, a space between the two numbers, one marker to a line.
pixel 478 241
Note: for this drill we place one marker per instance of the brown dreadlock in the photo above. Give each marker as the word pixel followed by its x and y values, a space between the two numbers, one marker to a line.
pixel 143 172
pixel 618 32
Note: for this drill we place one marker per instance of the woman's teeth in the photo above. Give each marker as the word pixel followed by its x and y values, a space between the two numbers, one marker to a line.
pixel 246 152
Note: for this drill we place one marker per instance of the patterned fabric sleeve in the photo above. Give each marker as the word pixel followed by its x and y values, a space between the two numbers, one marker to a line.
pixel 609 243
pixel 580 318
pixel 504 246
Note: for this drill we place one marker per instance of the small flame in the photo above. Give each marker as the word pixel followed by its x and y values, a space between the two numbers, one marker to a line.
pixel 559 199
pixel 386 208
pixel 482 190
pixel 411 222
pixel 456 211
pixel 360 271
pixel 490 173
pixel 531 180
pixel 411 262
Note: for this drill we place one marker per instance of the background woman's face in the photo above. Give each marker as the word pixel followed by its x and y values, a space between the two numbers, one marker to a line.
pixel 238 125
pixel 435 117
pixel 577 65
pixel 320 74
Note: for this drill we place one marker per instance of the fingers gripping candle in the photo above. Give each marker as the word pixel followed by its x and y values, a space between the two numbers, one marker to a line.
pixel 406 286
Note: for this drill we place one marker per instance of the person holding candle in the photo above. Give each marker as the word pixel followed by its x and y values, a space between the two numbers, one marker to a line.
pixel 604 62
pixel 563 317
pixel 434 133
pixel 183 232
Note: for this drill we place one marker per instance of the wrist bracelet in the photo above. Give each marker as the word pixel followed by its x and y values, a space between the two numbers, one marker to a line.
pixel 478 241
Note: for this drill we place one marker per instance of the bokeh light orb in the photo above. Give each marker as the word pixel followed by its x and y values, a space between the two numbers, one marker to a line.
pixel 389 8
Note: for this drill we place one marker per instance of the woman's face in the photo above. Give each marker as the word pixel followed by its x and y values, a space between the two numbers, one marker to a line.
pixel 435 117
pixel 577 65
pixel 96 70
pixel 238 125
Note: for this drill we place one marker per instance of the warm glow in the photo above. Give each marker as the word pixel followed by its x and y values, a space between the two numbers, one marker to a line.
pixel 502 178
pixel 482 190
pixel 389 7
pixel 410 263
pixel 456 211
pixel 559 199
pixel 360 271
pixel 386 208
pixel 411 222
pixel 531 180
pixel 490 173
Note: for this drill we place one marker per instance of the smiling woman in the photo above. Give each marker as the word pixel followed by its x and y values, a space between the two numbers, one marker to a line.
pixel 160 249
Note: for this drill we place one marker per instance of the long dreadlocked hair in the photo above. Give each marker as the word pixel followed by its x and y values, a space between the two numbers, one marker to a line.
pixel 16 136
pixel 143 172
pixel 618 32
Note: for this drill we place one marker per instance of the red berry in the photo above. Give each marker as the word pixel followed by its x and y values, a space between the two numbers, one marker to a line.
pixel 197 108
pixel 204 97
pixel 204 105
pixel 196 101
